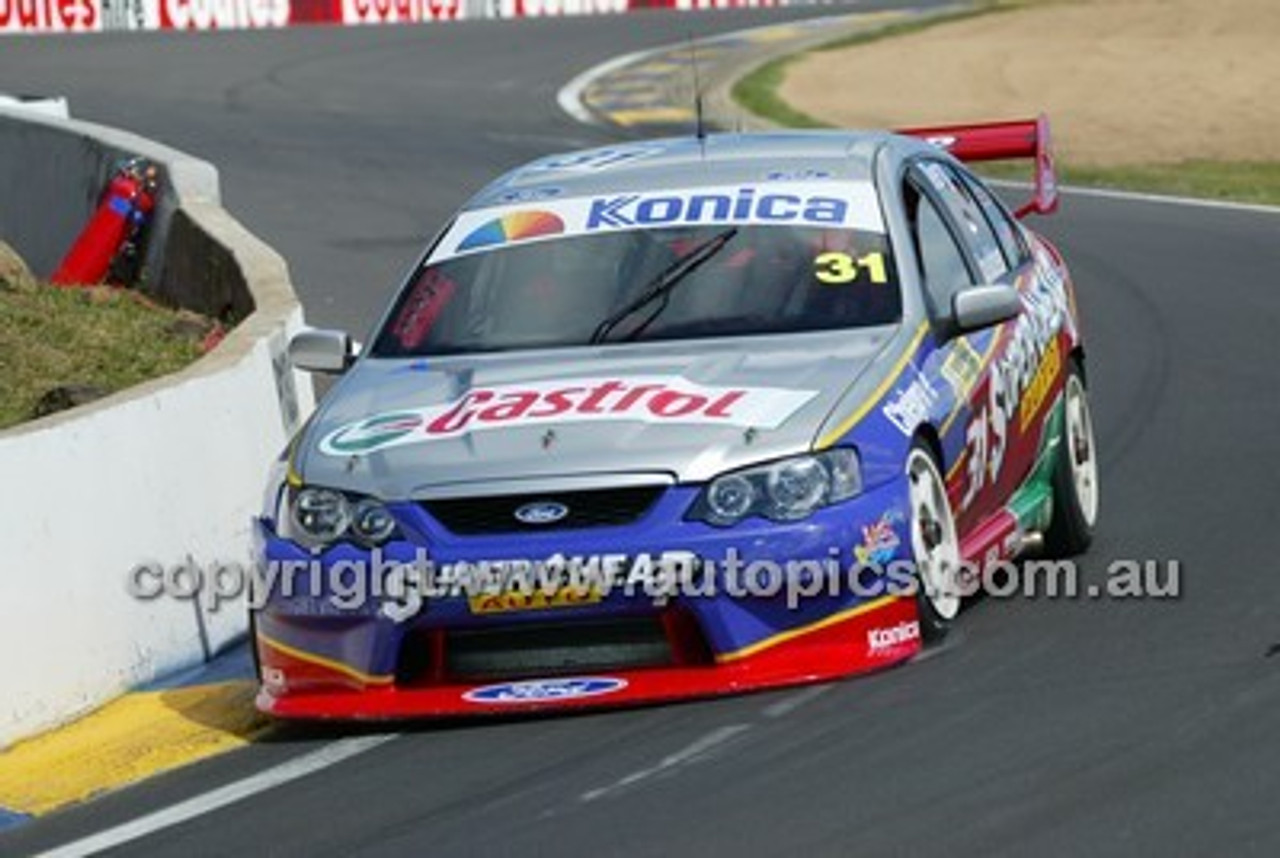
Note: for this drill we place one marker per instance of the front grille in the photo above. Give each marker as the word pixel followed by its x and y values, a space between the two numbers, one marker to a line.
pixel 434 656
pixel 589 508
pixel 539 650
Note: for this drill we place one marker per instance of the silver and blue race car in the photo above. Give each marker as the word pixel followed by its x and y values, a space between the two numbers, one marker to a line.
pixel 676 418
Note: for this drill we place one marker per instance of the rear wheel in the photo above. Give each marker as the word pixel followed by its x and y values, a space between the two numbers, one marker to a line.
pixel 935 545
pixel 1075 477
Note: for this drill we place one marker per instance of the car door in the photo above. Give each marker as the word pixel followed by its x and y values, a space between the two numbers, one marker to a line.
pixel 1031 356
pixel 961 245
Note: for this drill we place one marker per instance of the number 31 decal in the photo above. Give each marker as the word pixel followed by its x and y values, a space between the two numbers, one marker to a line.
pixel 835 268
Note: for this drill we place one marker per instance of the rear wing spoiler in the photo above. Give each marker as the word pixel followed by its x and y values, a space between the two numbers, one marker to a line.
pixel 998 141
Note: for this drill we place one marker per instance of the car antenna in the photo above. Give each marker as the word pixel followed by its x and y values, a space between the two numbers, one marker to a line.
pixel 699 128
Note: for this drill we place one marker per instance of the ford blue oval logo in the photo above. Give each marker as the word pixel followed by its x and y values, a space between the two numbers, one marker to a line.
pixel 544 690
pixel 541 512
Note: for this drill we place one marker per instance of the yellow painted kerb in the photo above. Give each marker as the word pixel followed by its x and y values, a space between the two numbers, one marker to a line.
pixel 647 115
pixel 135 737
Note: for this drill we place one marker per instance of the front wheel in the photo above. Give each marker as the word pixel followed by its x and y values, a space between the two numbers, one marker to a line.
pixel 1075 477
pixel 935 546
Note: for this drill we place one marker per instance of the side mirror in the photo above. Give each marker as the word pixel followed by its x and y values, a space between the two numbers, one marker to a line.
pixel 983 306
pixel 315 350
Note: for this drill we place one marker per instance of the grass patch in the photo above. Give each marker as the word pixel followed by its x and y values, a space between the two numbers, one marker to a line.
pixel 100 338
pixel 916 25
pixel 1256 182
pixel 758 91
pixel 1238 181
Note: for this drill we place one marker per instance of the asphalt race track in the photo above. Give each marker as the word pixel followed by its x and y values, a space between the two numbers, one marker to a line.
pixel 1045 727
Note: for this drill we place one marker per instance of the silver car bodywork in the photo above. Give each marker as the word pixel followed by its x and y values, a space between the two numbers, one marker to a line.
pixel 840 369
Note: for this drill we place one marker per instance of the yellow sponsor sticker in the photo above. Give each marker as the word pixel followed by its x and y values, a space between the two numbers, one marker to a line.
pixel 536 599
pixel 1041 383
pixel 962 366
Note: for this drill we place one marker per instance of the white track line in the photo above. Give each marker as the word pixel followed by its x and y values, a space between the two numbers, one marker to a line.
pixel 271 778
pixel 688 754
pixel 792 702
pixel 1139 197
pixel 570 95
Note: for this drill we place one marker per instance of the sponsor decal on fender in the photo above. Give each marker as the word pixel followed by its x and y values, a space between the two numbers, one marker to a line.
pixel 885 638
pixel 1041 383
pixel 50 16
pixel 962 366
pixel 647 399
pixel 911 405
pixel 1024 358
pixel 880 540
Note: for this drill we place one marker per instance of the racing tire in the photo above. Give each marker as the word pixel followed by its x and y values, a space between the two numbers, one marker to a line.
pixel 935 544
pixel 1075 475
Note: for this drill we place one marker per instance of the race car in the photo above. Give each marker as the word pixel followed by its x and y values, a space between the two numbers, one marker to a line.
pixel 679 418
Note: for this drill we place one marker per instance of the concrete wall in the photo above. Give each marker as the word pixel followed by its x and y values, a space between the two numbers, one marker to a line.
pixel 168 473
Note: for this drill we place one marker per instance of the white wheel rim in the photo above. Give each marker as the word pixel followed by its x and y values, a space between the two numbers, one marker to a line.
pixel 934 545
pixel 1081 451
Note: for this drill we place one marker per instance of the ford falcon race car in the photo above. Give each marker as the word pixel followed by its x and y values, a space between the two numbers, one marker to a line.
pixel 679 418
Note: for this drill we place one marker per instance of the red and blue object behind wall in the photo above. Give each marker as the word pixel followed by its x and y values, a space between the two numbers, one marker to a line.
pixel 109 242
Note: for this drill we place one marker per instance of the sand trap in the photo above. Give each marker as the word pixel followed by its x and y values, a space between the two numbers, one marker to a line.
pixel 1124 81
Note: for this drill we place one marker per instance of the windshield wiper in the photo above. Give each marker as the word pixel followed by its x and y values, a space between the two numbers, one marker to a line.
pixel 660 287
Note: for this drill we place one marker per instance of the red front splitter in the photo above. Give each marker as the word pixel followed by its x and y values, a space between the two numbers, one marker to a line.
pixel 871 637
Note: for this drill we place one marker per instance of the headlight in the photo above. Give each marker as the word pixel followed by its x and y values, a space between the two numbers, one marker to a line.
pixel 785 490
pixel 319 517
pixel 731 497
pixel 371 522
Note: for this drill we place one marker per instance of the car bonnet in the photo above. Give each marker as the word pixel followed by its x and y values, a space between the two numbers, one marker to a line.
pixel 476 424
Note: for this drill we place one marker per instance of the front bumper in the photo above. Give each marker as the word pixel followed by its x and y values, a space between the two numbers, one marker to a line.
pixel 322 660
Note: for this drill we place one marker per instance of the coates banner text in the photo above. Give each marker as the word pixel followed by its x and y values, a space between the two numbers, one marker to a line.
pixel 50 16
pixel 87 16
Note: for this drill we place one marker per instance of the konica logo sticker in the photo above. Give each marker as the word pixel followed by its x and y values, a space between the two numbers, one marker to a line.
pixel 517 226
pixel 887 638
pixel 740 205
pixel 545 690
pixel 646 399
pixel 836 205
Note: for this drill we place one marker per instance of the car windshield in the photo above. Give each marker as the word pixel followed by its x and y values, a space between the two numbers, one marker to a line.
pixel 645 285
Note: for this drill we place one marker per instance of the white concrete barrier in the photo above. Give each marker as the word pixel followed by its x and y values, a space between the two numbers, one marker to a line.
pixel 168 473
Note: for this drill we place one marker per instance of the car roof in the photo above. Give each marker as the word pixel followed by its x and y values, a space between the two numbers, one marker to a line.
pixel 684 162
